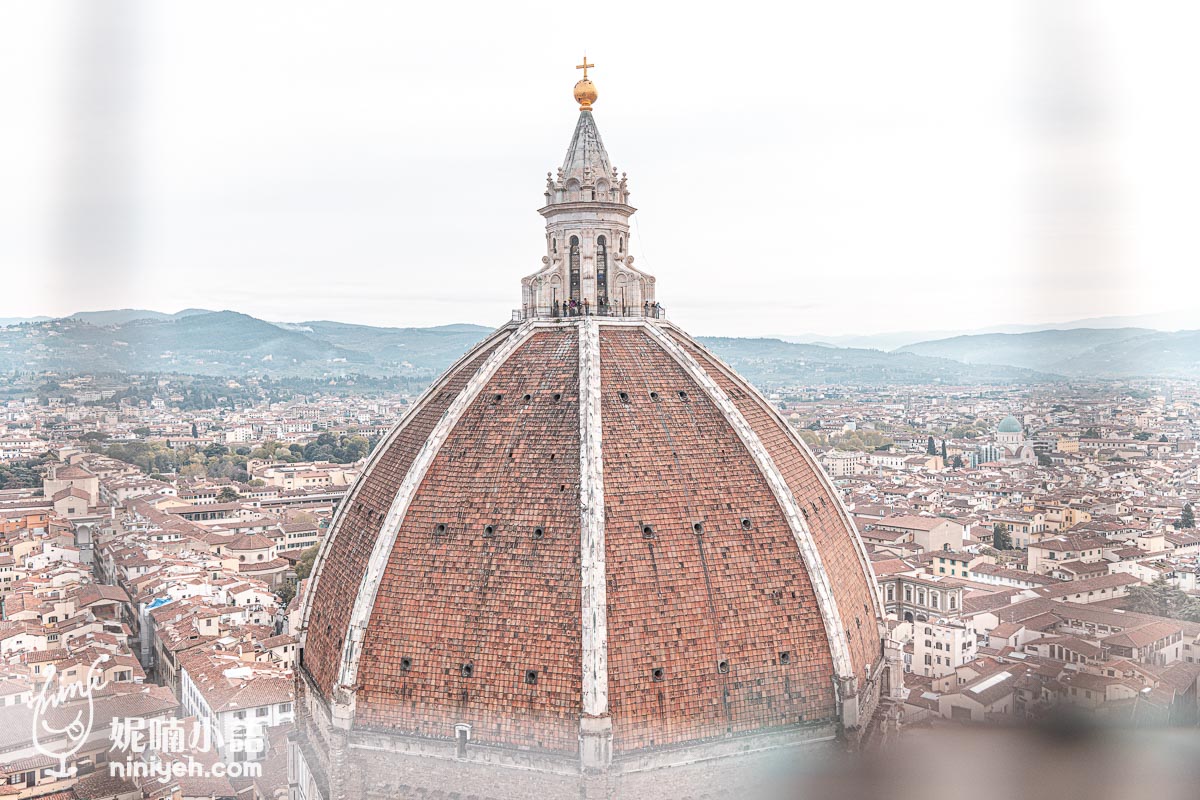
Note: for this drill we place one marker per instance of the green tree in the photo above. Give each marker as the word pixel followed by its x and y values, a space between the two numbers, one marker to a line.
pixel 286 592
pixel 930 447
pixel 957 463
pixel 944 456
pixel 1188 518
pixel 1091 433
pixel 1001 539
pixel 1164 600
pixel 305 564
pixel 215 450
pixel 1044 460
pixel 228 495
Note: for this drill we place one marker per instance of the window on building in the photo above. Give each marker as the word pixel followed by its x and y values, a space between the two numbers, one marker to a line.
pixel 574 267
pixel 601 271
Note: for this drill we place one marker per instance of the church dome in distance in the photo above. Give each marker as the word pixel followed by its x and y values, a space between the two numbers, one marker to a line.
pixel 1009 425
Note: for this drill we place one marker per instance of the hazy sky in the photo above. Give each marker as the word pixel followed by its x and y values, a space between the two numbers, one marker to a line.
pixel 810 166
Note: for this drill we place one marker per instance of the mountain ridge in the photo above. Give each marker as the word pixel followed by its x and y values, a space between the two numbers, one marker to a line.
pixel 1077 352
pixel 232 343
pixel 198 341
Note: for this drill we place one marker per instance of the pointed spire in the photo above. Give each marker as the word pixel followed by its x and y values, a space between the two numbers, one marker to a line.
pixel 586 158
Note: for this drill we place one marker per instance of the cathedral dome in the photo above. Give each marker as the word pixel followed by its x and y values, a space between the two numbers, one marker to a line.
pixel 589 548
pixel 591 517
pixel 1009 425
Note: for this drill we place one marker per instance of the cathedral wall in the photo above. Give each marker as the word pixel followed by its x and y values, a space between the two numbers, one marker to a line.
pixel 762 770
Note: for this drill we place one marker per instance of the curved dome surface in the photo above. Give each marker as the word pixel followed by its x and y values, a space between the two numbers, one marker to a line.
pixel 590 519
pixel 1009 425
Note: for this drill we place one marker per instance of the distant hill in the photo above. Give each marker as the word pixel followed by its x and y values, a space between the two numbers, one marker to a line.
pixel 1155 355
pixel 1080 352
pixel 202 342
pixel 4 321
pixel 1040 350
pixel 122 315
pixel 894 340
pixel 228 343
pixel 771 362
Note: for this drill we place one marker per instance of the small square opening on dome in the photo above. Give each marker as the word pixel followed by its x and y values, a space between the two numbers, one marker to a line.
pixel 467 670
pixel 723 666
pixel 531 677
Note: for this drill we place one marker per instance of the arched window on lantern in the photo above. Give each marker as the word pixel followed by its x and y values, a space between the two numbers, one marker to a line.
pixel 575 268
pixel 601 271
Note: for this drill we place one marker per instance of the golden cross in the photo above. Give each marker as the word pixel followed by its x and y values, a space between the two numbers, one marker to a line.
pixel 584 66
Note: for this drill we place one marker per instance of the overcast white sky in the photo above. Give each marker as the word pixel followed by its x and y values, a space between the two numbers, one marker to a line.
pixel 848 167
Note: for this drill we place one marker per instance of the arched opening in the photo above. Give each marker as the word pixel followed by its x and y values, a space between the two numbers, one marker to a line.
pixel 601 272
pixel 908 617
pixel 575 268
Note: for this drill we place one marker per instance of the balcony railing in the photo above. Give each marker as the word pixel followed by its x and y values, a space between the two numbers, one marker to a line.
pixel 651 311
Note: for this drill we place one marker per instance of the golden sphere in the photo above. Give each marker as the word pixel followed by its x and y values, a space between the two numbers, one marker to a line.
pixel 585 94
